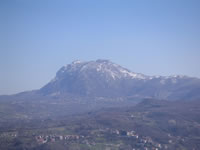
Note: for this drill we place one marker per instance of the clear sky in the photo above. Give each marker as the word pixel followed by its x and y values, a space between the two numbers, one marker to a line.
pixel 153 37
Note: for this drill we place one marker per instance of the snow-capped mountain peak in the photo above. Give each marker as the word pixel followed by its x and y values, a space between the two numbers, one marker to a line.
pixel 77 62
pixel 106 79
pixel 101 66
pixel 109 70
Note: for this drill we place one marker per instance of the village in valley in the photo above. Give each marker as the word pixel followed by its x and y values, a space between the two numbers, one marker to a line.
pixel 117 129
pixel 107 138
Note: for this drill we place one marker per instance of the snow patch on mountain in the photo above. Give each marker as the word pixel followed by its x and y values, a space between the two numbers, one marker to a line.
pixel 131 74
pixel 76 62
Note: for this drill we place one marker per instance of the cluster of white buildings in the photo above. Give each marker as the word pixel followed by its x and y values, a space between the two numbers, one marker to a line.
pixel 52 138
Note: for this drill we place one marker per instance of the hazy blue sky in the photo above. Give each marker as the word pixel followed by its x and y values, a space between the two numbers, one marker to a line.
pixel 154 37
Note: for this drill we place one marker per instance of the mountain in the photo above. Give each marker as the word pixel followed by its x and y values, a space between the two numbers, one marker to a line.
pixel 103 78
pixel 100 78
pixel 101 105
pixel 87 86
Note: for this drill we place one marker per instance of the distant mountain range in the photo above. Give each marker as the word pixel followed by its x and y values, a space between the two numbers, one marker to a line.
pixel 91 85
pixel 103 78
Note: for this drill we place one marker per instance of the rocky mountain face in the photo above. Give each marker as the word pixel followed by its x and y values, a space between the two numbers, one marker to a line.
pixel 100 78
pixel 103 78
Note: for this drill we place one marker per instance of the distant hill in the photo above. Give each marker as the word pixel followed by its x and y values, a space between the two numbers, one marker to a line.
pixel 151 124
